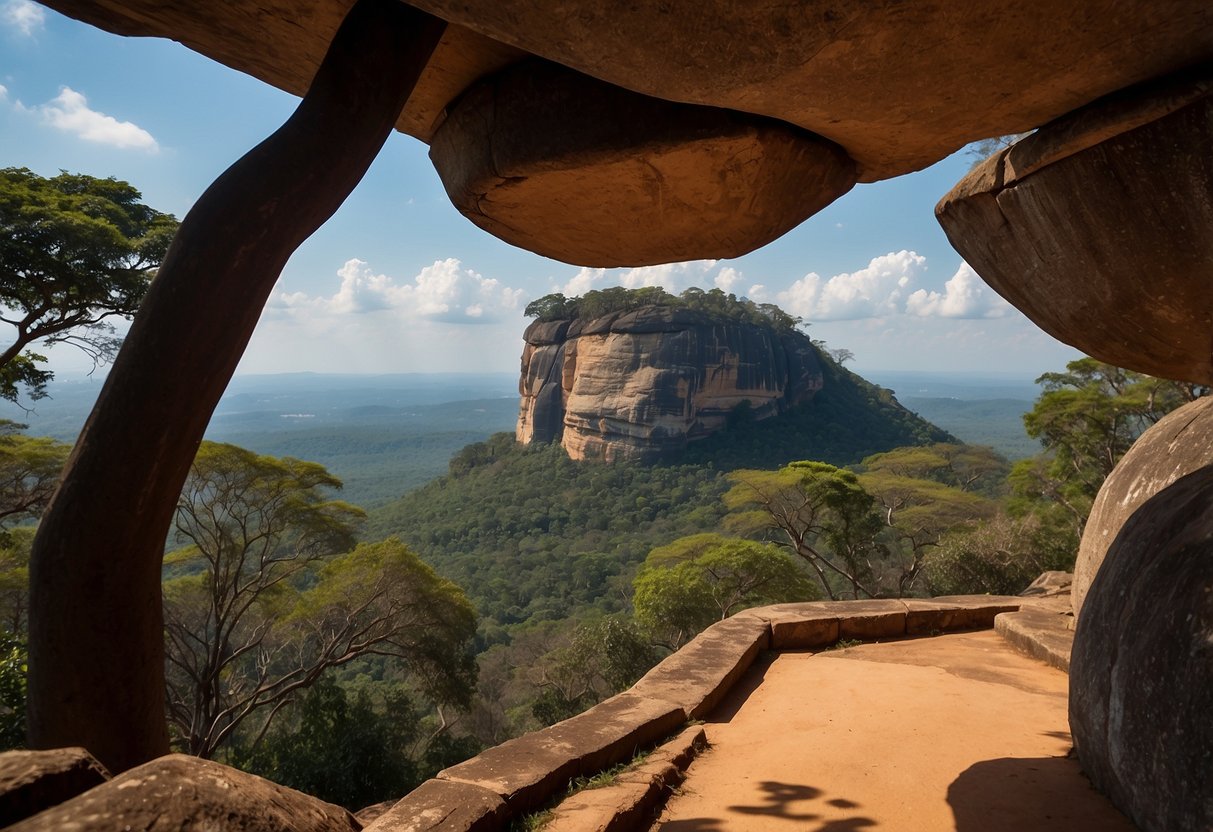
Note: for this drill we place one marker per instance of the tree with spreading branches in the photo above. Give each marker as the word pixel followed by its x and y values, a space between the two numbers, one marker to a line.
pixel 260 602
pixel 76 252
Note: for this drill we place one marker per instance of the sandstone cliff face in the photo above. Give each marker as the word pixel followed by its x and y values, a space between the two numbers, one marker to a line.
pixel 635 385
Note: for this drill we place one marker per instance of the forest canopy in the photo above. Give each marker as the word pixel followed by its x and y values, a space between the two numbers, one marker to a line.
pixel 714 303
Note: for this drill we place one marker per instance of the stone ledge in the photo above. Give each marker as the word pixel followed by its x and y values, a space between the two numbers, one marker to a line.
pixel 31 781
pixel 1040 633
pixel 443 805
pixel 698 676
pixel 822 623
pixel 636 794
pixel 526 771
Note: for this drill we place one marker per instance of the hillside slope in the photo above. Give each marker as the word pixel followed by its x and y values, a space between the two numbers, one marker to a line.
pixel 532 534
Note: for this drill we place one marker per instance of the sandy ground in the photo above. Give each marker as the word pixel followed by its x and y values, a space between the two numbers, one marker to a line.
pixel 952 732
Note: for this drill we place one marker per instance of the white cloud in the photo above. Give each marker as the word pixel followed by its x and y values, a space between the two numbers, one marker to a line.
pixel 445 292
pixel 877 290
pixel 3 93
pixel 963 296
pixel 728 279
pixel 673 277
pixel 24 16
pixel 69 111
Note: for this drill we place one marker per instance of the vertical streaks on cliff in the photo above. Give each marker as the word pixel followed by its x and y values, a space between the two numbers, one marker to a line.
pixel 637 385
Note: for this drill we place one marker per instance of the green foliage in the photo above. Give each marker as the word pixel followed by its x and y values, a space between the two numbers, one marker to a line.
pixel 534 536
pixel 847 420
pixel 257 607
pixel 715 303
pixel 1087 418
pixel 29 473
pixel 687 585
pixel 14 580
pixel 862 535
pixel 966 467
pixel 820 512
pixel 604 656
pixel 74 251
pixel 340 749
pixel 14 667
pixel 1000 556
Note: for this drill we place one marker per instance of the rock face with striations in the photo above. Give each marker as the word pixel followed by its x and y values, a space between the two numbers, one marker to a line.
pixel 639 384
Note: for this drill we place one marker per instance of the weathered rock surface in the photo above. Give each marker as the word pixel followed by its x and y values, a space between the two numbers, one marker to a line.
pixel 1099 227
pixel 823 67
pixel 527 770
pixel 1179 444
pixel 644 383
pixel 876 79
pixel 178 792
pixel 1141 671
pixel 547 158
pixel 31 781
pixel 442 805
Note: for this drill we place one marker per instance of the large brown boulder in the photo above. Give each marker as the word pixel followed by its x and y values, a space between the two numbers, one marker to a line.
pixel 635 386
pixel 31 781
pixel 1141 671
pixel 178 792
pixel 1181 442
pixel 583 171
pixel 1099 227
pixel 896 85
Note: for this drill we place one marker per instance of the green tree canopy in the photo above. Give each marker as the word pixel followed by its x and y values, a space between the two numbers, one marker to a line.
pixel 75 251
pixel 257 606
pixel 1087 418
pixel 820 512
pixel 689 584
pixel 715 302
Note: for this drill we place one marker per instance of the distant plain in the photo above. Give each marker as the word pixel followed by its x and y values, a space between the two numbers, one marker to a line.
pixel 384 435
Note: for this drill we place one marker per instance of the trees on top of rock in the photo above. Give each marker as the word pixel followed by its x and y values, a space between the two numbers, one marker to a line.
pixel 598 303
pixel 75 251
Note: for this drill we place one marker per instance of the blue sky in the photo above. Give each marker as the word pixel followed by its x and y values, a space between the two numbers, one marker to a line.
pixel 398 281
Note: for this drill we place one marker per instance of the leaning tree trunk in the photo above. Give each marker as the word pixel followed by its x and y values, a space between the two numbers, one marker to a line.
pixel 96 631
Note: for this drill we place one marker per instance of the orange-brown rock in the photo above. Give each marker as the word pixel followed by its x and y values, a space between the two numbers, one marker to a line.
pixel 1142 662
pixel 878 79
pixel 1181 442
pixel 31 781
pixel 1099 228
pixel 640 384
pixel 178 792
pixel 549 159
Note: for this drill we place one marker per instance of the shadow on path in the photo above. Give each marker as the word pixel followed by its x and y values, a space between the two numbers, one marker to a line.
pixel 1045 794
pixel 777 804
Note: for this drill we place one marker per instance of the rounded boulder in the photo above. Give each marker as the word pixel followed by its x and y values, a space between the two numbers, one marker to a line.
pixel 1141 669
pixel 1181 442
pixel 582 171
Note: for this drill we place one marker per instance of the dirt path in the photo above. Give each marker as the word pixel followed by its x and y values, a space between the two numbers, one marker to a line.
pixel 952 732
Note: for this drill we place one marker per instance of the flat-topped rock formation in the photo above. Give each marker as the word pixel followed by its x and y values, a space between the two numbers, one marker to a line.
pixel 639 384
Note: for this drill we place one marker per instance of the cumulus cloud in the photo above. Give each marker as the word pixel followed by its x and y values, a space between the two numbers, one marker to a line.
pixel 444 292
pixel 3 93
pixel 69 111
pixel 24 16
pixel 963 296
pixel 673 277
pixel 877 290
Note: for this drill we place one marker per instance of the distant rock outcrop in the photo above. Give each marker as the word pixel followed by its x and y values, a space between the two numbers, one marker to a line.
pixel 636 385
